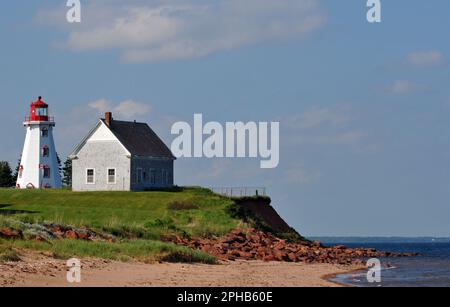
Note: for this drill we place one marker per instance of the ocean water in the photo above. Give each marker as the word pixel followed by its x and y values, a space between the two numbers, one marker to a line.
pixel 430 269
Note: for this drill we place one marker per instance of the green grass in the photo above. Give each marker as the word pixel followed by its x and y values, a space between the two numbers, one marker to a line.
pixel 145 215
pixel 141 250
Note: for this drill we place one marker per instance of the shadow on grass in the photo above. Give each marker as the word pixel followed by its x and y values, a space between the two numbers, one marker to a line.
pixel 9 212
pixel 174 189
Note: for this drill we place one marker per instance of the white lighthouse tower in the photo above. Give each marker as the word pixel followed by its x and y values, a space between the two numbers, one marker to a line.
pixel 39 164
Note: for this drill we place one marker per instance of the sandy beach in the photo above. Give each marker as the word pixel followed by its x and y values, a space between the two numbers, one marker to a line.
pixel 38 269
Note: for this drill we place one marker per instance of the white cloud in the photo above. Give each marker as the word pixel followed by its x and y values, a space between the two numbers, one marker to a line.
pixel 155 30
pixel 425 58
pixel 334 138
pixel 403 87
pixel 322 126
pixel 349 137
pixel 126 109
pixel 298 175
pixel 315 117
pixel 129 109
pixel 101 105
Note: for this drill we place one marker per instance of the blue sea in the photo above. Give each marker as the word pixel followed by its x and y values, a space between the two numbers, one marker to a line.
pixel 430 269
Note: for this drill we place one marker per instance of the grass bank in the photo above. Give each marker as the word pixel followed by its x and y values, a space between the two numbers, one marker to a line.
pixel 141 250
pixel 146 215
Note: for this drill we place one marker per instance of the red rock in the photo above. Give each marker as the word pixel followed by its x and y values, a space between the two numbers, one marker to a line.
pixel 245 255
pixel 269 258
pixel 278 255
pixel 250 245
pixel 9 233
pixel 254 238
pixel 292 257
pixel 317 244
pixel 83 236
pixel 70 234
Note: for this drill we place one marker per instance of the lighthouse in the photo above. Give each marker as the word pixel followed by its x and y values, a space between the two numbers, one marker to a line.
pixel 39 167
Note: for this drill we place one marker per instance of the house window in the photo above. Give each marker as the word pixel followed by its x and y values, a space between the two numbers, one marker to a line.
pixel 139 175
pixel 45 151
pixel 152 176
pixel 44 132
pixel 90 176
pixel 165 177
pixel 46 172
pixel 20 172
pixel 112 176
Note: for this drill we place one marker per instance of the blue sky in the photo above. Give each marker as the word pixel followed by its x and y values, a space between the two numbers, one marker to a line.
pixel 363 108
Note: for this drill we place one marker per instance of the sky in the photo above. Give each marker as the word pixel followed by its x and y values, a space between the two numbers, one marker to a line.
pixel 363 108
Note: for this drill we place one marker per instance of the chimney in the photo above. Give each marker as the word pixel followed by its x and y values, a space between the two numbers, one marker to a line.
pixel 108 118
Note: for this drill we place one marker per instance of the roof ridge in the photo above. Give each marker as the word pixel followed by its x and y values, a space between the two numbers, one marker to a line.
pixel 126 121
pixel 140 139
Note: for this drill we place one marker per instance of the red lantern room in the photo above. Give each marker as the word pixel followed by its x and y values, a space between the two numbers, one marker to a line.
pixel 39 110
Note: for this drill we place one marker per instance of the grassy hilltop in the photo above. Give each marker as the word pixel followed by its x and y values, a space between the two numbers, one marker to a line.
pixel 136 220
pixel 144 215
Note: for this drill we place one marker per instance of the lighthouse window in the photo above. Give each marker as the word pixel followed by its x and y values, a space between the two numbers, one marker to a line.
pixel 90 176
pixel 45 151
pixel 44 132
pixel 41 112
pixel 46 172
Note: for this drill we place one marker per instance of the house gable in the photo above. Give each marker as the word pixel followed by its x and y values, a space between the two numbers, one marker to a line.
pixel 100 133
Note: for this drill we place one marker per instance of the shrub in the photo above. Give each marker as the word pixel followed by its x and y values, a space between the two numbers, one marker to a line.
pixel 188 257
pixel 7 254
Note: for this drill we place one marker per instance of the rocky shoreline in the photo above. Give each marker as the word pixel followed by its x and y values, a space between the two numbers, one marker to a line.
pixel 248 244
pixel 251 244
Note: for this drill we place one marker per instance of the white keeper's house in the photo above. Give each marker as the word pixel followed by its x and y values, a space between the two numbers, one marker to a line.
pixel 121 156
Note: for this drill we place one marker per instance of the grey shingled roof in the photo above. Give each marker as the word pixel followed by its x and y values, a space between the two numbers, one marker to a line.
pixel 140 139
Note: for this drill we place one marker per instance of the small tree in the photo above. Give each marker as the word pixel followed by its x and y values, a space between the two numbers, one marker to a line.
pixel 6 175
pixel 58 160
pixel 16 171
pixel 67 173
